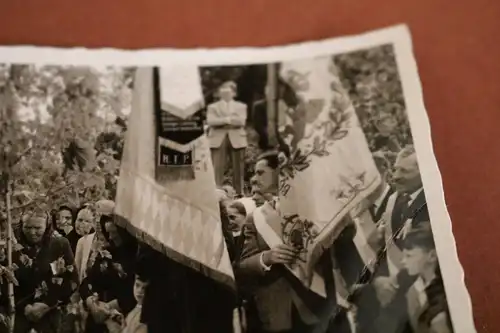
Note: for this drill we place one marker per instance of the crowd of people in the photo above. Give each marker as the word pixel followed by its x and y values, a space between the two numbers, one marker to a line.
pixel 75 270
pixel 392 278
pixel 384 261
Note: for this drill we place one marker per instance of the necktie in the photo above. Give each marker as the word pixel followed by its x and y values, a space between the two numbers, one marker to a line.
pixel 405 200
pixel 405 224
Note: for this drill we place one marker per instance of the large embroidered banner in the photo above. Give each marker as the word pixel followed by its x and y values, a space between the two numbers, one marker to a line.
pixel 176 215
pixel 329 169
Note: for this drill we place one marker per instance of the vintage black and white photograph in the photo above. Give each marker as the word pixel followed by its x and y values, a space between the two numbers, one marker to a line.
pixel 238 195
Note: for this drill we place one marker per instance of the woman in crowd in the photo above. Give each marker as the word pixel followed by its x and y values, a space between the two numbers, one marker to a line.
pixel 88 243
pixel 45 273
pixel 107 289
pixel 85 221
pixel 84 234
pixel 63 221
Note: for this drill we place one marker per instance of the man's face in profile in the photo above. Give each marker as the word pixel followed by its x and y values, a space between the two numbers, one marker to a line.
pixel 406 174
pixel 265 177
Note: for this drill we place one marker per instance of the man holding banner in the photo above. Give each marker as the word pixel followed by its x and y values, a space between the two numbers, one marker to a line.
pixel 283 304
pixel 327 171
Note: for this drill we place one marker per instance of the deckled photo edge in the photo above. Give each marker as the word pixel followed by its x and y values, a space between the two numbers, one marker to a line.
pixel 459 300
pixel 399 36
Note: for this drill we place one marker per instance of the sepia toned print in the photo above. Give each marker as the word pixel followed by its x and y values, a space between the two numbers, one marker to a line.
pixel 278 195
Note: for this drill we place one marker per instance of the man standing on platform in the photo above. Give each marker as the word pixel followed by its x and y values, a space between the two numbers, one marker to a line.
pixel 227 135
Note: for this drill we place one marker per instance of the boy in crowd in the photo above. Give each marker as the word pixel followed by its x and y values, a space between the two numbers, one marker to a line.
pixel 426 299
pixel 133 320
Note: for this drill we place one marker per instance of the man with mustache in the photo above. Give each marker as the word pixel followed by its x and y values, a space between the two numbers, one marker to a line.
pixel 406 208
pixel 282 303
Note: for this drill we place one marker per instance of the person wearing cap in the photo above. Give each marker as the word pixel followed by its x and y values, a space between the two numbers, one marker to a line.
pixel 226 120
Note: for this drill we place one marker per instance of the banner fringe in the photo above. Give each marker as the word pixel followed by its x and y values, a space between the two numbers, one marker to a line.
pixel 211 273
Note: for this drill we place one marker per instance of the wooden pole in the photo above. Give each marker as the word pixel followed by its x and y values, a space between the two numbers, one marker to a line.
pixel 12 304
pixel 272 113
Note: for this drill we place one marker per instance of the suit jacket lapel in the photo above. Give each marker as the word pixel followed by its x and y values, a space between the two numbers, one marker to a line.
pixel 377 214
pixel 415 206
pixel 397 218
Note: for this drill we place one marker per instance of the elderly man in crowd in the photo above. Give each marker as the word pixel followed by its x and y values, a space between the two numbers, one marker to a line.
pixel 406 208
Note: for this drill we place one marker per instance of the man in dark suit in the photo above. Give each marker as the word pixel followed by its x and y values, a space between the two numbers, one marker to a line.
pixel 383 193
pixel 282 303
pixel 350 261
pixel 406 208
pixel 353 256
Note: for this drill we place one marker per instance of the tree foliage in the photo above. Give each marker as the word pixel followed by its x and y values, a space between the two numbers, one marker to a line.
pixel 51 118
pixel 371 77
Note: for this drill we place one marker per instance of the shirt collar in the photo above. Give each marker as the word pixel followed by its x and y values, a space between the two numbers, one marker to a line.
pixel 378 201
pixel 414 195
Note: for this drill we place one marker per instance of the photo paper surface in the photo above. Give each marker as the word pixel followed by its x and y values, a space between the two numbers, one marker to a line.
pixel 282 189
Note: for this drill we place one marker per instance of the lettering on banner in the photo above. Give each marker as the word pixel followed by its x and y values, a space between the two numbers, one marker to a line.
pixel 171 157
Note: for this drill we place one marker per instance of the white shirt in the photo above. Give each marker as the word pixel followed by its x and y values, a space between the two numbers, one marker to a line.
pixel 378 201
pixel 414 195
pixel 226 105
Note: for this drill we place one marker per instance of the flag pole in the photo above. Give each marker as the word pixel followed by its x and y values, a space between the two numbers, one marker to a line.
pixel 12 305
pixel 271 105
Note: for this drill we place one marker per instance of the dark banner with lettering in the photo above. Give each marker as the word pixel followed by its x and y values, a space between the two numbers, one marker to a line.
pixel 174 136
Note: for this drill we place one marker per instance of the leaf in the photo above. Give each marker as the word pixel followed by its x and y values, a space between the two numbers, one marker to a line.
pixel 338 135
pixel 313 109
pixel 302 166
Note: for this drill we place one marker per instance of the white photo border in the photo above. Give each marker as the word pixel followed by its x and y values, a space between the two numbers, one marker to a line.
pixel 458 298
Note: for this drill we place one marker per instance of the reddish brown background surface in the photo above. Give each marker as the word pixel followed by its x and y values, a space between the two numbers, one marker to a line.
pixel 457 50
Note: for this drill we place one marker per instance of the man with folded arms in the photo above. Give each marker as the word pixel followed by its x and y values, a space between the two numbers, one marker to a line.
pixel 226 121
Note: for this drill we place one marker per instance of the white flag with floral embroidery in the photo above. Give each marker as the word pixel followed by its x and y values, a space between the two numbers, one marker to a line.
pixel 329 170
